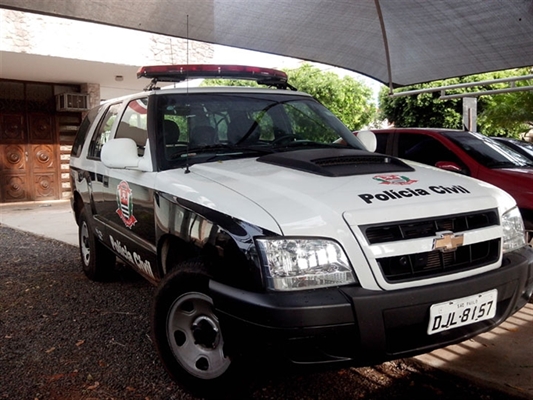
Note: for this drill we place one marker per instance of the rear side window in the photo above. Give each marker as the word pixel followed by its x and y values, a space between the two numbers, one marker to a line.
pixel 83 130
pixel 425 149
pixel 101 134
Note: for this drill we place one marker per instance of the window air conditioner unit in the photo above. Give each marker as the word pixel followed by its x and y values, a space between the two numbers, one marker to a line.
pixel 72 102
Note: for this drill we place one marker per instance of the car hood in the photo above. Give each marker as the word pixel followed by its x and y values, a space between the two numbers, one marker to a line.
pixel 524 173
pixel 291 201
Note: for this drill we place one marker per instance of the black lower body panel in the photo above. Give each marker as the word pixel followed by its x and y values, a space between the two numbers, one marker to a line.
pixel 359 326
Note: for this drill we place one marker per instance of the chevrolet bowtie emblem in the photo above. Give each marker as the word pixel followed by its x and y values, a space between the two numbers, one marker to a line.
pixel 447 241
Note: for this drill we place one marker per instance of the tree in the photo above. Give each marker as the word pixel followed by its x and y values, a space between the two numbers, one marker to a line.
pixel 426 110
pixel 349 99
pixel 511 111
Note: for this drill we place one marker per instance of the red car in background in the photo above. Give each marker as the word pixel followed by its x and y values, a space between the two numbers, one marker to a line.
pixel 468 153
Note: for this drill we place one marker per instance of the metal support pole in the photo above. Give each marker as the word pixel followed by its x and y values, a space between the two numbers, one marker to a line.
pixel 470 113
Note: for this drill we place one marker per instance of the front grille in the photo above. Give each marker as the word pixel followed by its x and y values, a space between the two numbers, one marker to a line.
pixel 424 228
pixel 422 265
pixel 434 263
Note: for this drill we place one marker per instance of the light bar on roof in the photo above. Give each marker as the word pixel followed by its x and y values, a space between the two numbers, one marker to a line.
pixel 178 73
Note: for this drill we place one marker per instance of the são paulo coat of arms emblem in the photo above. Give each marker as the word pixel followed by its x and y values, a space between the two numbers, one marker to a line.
pixel 393 179
pixel 125 204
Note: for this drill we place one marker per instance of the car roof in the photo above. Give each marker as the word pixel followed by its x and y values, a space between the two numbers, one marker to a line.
pixel 210 89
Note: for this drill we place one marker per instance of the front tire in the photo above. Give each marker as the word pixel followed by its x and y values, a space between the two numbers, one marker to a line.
pixel 98 261
pixel 187 333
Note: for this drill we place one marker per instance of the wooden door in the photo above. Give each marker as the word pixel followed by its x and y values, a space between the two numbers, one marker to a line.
pixel 43 157
pixel 29 160
pixel 13 162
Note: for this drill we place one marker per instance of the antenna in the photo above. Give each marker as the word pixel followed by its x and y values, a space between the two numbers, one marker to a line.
pixel 187 170
pixel 187 40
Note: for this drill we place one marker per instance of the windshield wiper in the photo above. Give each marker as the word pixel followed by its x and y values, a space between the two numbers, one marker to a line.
pixel 205 149
pixel 222 150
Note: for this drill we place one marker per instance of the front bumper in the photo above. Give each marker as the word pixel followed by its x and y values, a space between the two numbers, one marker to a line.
pixel 359 326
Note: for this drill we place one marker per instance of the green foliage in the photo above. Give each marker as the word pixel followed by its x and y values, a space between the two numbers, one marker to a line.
pixel 229 82
pixel 512 111
pixel 423 110
pixel 349 99
pixel 503 115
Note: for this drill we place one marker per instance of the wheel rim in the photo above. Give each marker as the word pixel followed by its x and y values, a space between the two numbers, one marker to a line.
pixel 194 336
pixel 84 244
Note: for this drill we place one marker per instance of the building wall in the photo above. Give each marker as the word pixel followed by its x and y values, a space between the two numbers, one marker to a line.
pixel 44 35
pixel 35 144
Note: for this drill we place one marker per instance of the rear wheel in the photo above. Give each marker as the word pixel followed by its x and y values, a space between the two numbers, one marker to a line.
pixel 187 332
pixel 97 260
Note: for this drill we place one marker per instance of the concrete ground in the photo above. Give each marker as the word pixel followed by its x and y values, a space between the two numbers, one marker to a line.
pixel 53 219
pixel 501 358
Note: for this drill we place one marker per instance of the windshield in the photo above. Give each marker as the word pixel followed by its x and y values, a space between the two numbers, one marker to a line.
pixel 202 127
pixel 525 147
pixel 487 151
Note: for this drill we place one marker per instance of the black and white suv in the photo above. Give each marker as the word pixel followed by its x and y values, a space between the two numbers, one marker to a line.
pixel 269 228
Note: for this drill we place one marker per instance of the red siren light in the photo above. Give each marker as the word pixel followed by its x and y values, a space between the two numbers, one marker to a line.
pixel 179 73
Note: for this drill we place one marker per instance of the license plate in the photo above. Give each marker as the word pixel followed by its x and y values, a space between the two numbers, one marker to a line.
pixel 459 312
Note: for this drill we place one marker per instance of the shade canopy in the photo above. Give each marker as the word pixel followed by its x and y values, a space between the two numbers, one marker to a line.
pixel 397 42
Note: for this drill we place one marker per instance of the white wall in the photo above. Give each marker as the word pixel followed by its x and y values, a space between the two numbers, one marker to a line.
pixel 57 37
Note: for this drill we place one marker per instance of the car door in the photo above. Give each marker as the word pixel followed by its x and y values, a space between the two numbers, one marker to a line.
pixel 94 172
pixel 127 207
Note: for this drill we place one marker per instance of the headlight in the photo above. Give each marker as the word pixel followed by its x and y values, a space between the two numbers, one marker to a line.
pixel 513 230
pixel 296 264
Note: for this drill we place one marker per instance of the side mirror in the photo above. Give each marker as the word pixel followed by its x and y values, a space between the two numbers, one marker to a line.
pixel 450 166
pixel 369 140
pixel 122 154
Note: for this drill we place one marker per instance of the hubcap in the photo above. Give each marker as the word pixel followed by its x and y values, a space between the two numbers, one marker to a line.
pixel 194 336
pixel 205 332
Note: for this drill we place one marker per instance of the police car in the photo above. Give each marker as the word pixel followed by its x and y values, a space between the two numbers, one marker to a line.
pixel 269 228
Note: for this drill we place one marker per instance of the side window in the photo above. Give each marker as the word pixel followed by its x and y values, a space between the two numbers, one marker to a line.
pixel 101 134
pixel 83 130
pixel 424 149
pixel 133 123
